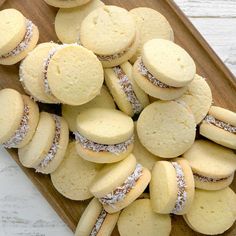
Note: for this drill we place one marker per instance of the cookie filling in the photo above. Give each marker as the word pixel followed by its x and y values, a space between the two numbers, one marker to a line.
pixel 97 147
pixel 114 56
pixel 54 148
pixel 205 179
pixel 99 222
pixel 24 43
pixel 127 87
pixel 182 194
pixel 120 192
pixel 144 72
pixel 21 132
pixel 220 124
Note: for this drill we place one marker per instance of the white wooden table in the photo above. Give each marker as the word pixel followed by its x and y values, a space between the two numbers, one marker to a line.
pixel 23 211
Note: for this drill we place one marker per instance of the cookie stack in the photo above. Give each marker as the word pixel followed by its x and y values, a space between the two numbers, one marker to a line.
pixel 132 100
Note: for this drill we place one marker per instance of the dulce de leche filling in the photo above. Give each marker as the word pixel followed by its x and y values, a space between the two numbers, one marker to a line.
pixel 54 147
pixel 101 218
pixel 127 87
pixel 182 194
pixel 144 72
pixel 205 179
pixel 220 124
pixel 23 44
pixel 97 147
pixel 120 192
pixel 21 132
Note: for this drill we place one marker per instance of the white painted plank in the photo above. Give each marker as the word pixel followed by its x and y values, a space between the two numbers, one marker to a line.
pixel 208 8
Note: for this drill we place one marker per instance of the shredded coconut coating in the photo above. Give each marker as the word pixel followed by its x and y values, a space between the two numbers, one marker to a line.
pixel 97 147
pixel 182 194
pixel 21 132
pixel 220 124
pixel 120 192
pixel 127 87
pixel 205 179
pixel 144 72
pixel 54 148
pixel 99 222
pixel 24 43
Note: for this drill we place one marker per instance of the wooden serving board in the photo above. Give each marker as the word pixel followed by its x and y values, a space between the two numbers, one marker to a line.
pixel 222 82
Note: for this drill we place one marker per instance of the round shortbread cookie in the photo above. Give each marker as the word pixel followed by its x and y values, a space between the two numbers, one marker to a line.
pixel 177 196
pixel 198 97
pixel 95 220
pixel 22 49
pixel 168 62
pixel 54 158
pixel 105 126
pixel 33 153
pixel 108 30
pixel 151 24
pixel 75 75
pixel 31 73
pixel 139 219
pixel 155 89
pixel 68 21
pixel 220 127
pixel 74 175
pixel 11 112
pixel 166 129
pixel 66 3
pixel 143 156
pixel 127 95
pixel 212 212
pixel 13 28
pixel 103 100
pixel 213 165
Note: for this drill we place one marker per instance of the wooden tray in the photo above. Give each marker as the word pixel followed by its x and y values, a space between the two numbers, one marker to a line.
pixel 220 79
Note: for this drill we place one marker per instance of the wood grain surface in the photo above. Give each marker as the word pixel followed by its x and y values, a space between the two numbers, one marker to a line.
pixel 208 65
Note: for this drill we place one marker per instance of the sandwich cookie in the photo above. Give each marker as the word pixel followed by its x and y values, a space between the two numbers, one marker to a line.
pixel 104 135
pixel 167 129
pixel 68 21
pixel 19 36
pixel 73 74
pixel 164 69
pixel 139 219
pixel 19 118
pixel 220 127
pixel 95 221
pixel 198 97
pixel 66 3
pixel 118 185
pixel 103 100
pixel 31 73
pixel 74 175
pixel 151 25
pixel 110 32
pixel 172 187
pixel 128 96
pixel 143 156
pixel 213 165
pixel 212 212
pixel 47 148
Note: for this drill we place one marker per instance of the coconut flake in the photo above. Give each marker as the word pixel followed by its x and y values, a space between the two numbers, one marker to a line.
pixel 99 222
pixel 120 192
pixel 127 87
pixel 220 124
pixel 144 72
pixel 182 194
pixel 97 147
pixel 24 43
pixel 21 132
pixel 205 179
pixel 54 148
